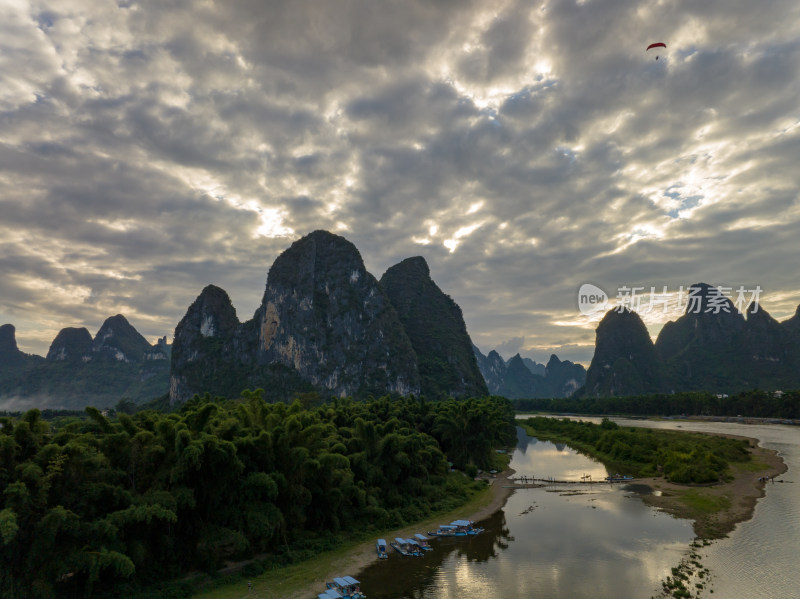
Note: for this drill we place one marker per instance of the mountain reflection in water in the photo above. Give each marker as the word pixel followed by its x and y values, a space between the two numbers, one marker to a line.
pixel 575 541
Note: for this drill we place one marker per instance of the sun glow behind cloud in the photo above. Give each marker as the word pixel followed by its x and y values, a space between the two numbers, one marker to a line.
pixel 533 147
pixel 453 242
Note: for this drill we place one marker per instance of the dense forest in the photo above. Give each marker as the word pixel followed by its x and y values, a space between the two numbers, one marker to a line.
pixel 757 404
pixel 111 507
pixel 679 456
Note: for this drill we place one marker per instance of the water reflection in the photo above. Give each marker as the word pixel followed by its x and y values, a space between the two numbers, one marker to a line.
pixel 572 540
pixel 401 576
pixel 543 459
pixel 759 558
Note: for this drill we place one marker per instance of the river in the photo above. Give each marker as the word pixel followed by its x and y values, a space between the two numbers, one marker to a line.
pixel 600 541
pixel 758 560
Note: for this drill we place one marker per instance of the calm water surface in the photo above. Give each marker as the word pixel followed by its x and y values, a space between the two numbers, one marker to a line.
pixel 595 541
pixel 759 560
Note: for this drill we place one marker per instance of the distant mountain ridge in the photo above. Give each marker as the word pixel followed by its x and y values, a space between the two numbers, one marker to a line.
pixel 711 347
pixel 81 370
pixel 520 377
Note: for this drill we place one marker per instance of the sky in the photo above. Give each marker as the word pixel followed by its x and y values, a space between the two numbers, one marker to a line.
pixel 523 148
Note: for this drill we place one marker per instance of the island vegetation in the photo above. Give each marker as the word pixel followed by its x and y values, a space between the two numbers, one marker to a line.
pixel 104 507
pixel 678 456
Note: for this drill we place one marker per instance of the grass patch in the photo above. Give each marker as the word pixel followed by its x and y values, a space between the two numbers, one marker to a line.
pixel 500 461
pixel 702 502
pixel 751 466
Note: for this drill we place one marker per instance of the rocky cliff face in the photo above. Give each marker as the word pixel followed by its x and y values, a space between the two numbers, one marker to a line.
pixel 435 326
pixel 624 361
pixel 324 324
pixel 327 318
pixel 204 350
pixel 492 367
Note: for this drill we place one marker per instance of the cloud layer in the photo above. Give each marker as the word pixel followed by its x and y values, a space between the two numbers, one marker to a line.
pixel 523 148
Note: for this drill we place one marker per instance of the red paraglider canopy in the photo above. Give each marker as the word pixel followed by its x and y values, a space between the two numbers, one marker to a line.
pixel 657 45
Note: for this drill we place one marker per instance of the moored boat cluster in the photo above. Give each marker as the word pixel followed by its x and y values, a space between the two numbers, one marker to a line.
pixel 347 587
pixel 344 587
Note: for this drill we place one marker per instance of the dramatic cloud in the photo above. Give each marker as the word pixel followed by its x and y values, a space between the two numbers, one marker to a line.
pixel 523 148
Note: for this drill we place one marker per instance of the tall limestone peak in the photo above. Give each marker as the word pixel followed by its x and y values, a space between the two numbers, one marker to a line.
pixel 200 361
pixel 435 325
pixel 791 329
pixel 553 363
pixel 770 351
pixel 705 346
pixel 118 340
pixel 492 367
pixel 762 329
pixel 563 376
pixel 10 355
pixel 72 344
pixel 310 261
pixel 710 319
pixel 792 324
pixel 624 361
pixel 324 316
pixel 211 315
pixel 519 381
pixel 8 339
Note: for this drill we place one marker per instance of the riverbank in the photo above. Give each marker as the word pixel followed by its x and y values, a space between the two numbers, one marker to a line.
pixel 717 509
pixel 307 579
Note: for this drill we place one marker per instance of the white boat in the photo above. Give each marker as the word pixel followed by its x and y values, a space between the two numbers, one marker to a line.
pixel 347 587
pixel 422 541
pixel 380 547
pixel 415 547
pixel 405 547
pixel 446 530
pixel 466 526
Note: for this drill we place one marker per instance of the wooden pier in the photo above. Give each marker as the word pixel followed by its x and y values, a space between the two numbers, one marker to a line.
pixel 530 482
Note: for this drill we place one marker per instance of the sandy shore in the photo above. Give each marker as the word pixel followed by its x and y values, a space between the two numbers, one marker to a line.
pixel 742 493
pixel 363 555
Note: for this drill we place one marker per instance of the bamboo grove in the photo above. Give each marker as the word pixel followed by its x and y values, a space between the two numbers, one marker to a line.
pixel 102 507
